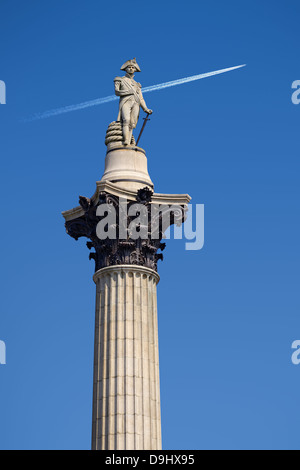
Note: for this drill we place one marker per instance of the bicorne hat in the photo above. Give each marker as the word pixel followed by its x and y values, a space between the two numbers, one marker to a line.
pixel 131 62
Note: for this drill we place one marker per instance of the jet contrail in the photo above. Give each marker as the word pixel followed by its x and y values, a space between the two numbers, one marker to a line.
pixel 107 99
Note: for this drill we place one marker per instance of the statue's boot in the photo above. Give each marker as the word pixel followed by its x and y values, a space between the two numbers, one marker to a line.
pixel 126 134
pixel 130 135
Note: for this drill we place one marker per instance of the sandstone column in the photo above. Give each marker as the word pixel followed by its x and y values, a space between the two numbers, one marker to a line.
pixel 126 406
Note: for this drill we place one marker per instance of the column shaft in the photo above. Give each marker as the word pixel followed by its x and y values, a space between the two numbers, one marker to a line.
pixel 126 396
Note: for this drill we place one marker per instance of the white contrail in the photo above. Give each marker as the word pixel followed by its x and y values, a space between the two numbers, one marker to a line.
pixel 160 86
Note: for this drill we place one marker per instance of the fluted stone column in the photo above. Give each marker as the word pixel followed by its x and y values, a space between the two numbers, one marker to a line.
pixel 126 396
pixel 126 399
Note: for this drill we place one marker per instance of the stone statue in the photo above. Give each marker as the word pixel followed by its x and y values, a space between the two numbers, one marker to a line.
pixel 131 99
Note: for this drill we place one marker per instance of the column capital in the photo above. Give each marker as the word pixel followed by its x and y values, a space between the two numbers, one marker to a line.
pixel 140 246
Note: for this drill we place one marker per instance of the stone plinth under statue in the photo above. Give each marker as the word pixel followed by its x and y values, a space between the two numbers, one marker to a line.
pixel 127 168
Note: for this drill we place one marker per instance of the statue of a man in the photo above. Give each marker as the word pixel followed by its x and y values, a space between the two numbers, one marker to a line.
pixel 131 99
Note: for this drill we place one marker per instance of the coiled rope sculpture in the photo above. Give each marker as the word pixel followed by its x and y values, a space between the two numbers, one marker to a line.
pixel 114 133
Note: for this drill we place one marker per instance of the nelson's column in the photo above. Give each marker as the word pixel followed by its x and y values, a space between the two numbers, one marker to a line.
pixel 125 222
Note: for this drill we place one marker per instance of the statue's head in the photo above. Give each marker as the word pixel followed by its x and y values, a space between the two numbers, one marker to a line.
pixel 131 66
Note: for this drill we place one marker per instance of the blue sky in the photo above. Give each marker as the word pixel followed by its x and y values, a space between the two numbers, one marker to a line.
pixel 229 313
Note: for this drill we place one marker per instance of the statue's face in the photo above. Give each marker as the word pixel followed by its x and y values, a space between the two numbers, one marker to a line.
pixel 130 69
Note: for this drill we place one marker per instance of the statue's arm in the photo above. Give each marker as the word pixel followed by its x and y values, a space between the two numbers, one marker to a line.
pixel 118 89
pixel 143 103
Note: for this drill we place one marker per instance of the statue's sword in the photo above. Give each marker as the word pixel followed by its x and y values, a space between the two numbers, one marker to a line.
pixel 143 127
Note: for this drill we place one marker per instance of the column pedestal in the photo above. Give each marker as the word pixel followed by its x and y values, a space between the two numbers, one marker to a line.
pixel 126 399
